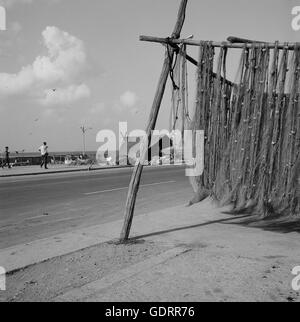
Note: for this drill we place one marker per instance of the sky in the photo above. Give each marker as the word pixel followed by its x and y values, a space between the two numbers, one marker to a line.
pixel 69 63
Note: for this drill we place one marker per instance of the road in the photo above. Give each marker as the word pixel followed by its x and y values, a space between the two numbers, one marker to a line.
pixel 32 208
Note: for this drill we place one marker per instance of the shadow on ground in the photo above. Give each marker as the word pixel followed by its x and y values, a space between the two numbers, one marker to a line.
pixel 280 224
pixel 277 224
pixel 162 232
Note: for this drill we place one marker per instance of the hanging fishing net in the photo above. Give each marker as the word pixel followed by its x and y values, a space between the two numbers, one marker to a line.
pixel 251 126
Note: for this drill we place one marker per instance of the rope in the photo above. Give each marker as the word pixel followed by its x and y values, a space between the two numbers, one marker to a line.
pixel 172 66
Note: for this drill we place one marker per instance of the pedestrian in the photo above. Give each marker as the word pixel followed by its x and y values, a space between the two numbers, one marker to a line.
pixel 6 159
pixel 44 153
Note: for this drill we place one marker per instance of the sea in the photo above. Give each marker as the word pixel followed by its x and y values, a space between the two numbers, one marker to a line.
pixel 60 153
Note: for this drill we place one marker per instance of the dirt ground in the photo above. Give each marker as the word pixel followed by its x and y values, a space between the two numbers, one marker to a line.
pixel 43 282
pixel 228 259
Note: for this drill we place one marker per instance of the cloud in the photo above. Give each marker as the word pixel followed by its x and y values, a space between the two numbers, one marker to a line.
pixel 10 37
pixel 11 3
pixel 16 27
pixel 129 99
pixel 98 108
pixel 60 68
pixel 66 95
pixel 97 115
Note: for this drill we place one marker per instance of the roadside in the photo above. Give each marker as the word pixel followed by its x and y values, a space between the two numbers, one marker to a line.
pixel 56 169
pixel 44 281
pixel 36 170
pixel 200 253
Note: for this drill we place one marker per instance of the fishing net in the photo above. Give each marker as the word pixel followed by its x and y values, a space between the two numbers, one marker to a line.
pixel 252 129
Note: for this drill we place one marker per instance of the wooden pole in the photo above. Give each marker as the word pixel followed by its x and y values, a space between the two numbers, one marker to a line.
pixel 183 100
pixel 237 40
pixel 289 46
pixel 195 63
pixel 137 173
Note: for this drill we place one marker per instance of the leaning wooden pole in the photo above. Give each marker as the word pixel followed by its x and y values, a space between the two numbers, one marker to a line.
pixel 137 172
pixel 183 100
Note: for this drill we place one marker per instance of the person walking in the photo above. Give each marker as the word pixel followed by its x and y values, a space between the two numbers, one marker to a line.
pixel 44 153
pixel 6 161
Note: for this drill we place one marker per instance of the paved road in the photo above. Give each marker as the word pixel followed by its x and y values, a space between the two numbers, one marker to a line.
pixel 32 208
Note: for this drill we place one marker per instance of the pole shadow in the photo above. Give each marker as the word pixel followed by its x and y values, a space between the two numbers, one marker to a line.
pixel 162 232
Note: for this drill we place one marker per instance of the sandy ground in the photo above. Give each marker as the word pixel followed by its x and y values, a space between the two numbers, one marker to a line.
pixel 227 258
pixel 47 280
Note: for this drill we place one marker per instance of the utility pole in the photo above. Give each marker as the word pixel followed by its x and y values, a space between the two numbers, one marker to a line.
pixel 84 130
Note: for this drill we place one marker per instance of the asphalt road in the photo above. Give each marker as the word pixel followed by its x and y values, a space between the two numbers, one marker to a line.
pixel 32 208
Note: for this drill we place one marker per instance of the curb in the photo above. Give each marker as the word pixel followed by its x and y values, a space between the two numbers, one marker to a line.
pixel 80 170
pixel 62 171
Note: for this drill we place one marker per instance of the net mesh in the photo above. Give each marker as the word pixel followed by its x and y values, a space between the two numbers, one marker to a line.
pixel 252 129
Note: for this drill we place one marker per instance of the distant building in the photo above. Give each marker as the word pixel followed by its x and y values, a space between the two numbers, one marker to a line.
pixel 160 147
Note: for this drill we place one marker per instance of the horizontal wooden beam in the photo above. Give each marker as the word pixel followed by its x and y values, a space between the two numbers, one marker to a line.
pixel 190 42
pixel 238 40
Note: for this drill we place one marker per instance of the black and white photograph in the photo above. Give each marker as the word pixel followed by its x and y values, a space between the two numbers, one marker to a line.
pixel 149 154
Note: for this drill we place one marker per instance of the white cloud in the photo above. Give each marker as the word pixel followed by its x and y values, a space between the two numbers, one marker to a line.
pixel 10 3
pixel 48 112
pixel 66 95
pixel 59 69
pixel 16 27
pixel 98 108
pixel 129 99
